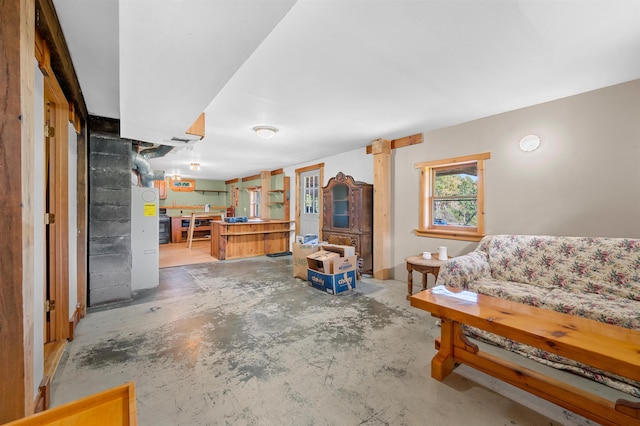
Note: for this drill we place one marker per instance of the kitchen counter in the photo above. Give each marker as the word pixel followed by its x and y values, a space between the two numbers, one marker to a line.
pixel 247 239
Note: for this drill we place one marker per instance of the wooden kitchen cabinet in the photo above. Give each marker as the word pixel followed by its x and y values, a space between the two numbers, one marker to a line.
pixel 248 239
pixel 180 227
pixel 162 188
pixel 348 217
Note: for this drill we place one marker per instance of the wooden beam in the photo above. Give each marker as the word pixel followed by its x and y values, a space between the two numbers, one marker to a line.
pixel 43 55
pixel 248 178
pixel 277 172
pixel 229 182
pixel 399 143
pixel 381 149
pixel 197 128
pixel 16 197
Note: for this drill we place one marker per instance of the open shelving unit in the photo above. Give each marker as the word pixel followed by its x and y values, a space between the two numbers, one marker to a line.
pixel 276 203
pixel 218 191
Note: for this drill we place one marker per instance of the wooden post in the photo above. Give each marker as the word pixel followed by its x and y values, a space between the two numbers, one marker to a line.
pixel 381 149
pixel 16 195
pixel 265 208
pixel 286 197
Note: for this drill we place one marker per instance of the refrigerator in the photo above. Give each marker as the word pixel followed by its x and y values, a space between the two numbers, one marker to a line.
pixel 145 245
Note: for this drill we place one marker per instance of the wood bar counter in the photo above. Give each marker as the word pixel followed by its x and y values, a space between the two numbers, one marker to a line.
pixel 247 239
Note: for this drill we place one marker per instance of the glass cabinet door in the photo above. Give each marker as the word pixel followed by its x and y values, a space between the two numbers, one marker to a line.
pixel 340 196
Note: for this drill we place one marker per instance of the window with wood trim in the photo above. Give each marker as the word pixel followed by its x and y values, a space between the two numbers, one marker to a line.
pixel 452 198
pixel 255 198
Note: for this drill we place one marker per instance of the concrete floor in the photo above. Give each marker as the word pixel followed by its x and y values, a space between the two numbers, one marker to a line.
pixel 245 343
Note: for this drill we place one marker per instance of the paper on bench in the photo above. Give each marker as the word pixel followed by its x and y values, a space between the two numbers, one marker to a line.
pixel 463 295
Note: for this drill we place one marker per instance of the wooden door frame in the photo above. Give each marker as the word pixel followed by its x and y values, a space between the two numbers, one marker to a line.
pixel 320 167
pixel 59 206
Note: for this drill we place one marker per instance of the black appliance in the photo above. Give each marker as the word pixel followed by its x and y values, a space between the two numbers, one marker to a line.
pixel 165 227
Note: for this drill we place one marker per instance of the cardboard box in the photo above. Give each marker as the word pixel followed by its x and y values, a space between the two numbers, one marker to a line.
pixel 344 251
pixel 344 264
pixel 300 253
pixel 322 261
pixel 307 239
pixel 332 283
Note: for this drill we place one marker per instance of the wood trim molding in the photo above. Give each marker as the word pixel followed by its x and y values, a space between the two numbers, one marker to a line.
pixel 229 182
pixel 277 172
pixel 74 320
pixel 248 178
pixel 47 24
pixel 309 168
pixel 401 142
pixel 197 128
pixel 425 229
pixel 43 398
pixel 454 160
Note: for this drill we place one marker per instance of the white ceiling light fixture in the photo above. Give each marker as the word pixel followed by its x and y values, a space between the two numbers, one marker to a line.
pixel 195 166
pixel 529 143
pixel 266 132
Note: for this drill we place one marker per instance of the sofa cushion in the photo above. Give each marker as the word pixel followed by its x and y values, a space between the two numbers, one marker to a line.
pixel 599 307
pixel 510 290
pixel 576 264
pixel 614 381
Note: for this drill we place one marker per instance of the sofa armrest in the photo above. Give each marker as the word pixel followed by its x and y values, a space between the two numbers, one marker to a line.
pixel 462 270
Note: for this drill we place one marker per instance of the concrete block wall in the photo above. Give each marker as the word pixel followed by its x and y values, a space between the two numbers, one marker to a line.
pixel 109 215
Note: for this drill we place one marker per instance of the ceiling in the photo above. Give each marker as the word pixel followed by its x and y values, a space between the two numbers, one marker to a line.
pixel 332 75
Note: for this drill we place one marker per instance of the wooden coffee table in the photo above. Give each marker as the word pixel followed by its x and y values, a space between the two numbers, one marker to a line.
pixel 424 266
pixel 604 346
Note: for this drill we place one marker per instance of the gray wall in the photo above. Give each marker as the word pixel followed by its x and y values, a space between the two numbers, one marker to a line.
pixel 109 217
pixel 584 180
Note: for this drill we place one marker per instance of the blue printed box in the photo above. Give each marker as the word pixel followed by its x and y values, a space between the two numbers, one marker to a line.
pixel 332 283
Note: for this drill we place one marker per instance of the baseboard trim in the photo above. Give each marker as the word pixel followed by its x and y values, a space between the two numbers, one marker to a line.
pixel 43 397
pixel 74 320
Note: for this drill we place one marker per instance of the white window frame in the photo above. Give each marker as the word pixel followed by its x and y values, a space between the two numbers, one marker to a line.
pixel 255 197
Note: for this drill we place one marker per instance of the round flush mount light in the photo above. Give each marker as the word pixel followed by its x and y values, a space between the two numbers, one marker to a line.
pixel 529 143
pixel 266 132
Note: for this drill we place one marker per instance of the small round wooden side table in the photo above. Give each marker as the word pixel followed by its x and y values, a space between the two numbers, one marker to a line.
pixel 424 266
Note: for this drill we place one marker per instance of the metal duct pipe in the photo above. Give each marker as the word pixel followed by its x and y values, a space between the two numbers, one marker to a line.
pixel 141 165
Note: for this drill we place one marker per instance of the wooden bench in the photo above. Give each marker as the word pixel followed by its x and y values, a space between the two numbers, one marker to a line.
pixel 604 346
pixel 112 407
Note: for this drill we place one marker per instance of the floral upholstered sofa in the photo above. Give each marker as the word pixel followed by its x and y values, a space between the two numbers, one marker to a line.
pixel 596 278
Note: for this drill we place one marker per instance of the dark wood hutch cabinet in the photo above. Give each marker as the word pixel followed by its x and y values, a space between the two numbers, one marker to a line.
pixel 348 217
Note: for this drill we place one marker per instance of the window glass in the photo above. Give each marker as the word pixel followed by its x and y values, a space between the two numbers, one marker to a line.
pixel 455 196
pixel 340 206
pixel 311 191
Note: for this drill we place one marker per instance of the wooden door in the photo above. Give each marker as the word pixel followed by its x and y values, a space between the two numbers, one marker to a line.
pixel 310 202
